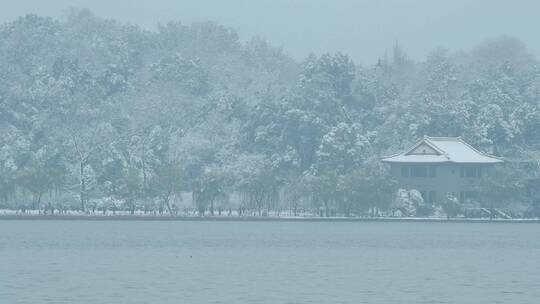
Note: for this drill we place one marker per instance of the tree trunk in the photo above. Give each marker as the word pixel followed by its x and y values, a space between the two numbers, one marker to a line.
pixel 39 200
pixel 326 209
pixel 168 204
pixel 143 163
pixel 82 189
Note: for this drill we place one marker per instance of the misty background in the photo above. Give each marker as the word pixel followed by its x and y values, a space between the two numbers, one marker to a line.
pixel 363 29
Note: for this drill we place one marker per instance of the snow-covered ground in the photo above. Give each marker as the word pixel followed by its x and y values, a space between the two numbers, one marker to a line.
pixel 37 214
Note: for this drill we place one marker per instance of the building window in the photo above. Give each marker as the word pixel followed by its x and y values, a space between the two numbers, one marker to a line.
pixel 419 171
pixel 470 172
pixel 404 171
pixel 432 171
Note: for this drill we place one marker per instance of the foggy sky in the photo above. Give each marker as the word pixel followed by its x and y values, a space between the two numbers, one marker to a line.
pixel 361 28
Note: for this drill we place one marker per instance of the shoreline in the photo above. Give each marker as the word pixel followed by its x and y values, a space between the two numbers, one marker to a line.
pixel 23 217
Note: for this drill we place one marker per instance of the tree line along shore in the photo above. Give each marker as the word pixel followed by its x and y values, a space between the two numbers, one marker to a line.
pixel 97 116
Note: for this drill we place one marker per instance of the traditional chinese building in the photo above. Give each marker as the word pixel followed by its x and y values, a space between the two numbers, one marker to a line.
pixel 436 166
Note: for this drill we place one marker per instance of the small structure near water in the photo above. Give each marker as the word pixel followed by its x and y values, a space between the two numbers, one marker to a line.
pixel 439 166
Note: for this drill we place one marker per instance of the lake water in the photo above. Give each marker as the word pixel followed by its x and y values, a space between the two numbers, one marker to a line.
pixel 268 262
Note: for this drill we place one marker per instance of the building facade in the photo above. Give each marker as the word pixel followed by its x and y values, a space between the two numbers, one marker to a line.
pixel 438 166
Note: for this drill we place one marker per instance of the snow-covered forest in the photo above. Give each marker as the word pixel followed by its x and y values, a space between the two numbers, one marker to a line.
pixel 99 116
